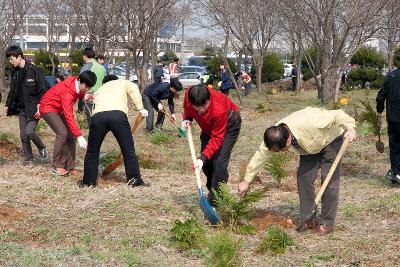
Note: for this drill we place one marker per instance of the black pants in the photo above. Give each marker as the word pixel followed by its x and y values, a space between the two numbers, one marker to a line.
pixel 306 174
pixel 216 169
pixel 394 146
pixel 150 119
pixel 27 133
pixel 101 123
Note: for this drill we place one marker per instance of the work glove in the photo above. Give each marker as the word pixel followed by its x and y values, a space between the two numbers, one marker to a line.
pixel 144 113
pixel 82 142
pixel 185 124
pixel 88 97
pixel 198 164
pixel 160 106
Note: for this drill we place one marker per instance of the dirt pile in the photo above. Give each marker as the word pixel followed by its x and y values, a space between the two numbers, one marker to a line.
pixel 9 214
pixel 8 150
pixel 263 220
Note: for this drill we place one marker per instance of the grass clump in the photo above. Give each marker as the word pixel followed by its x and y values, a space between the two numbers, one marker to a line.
pixel 42 125
pixel 188 234
pixel 8 137
pixel 275 241
pixel 81 119
pixel 246 229
pixel 277 164
pixel 232 209
pixel 109 158
pixel 159 138
pixel 223 250
pixel 146 162
pixel 260 108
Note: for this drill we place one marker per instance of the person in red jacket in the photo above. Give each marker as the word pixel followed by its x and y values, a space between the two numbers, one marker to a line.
pixel 56 108
pixel 220 122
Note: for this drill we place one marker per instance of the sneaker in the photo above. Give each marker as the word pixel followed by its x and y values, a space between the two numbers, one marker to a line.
pixel 396 179
pixel 81 184
pixel 59 172
pixel 137 182
pixel 44 154
pixel 390 176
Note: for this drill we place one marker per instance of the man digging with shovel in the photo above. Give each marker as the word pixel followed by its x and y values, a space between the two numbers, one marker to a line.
pixel 110 113
pixel 317 135
pixel 220 122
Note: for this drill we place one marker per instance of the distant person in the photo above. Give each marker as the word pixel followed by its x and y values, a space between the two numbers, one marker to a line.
pixel 390 94
pixel 98 70
pixel 57 110
pixel 247 83
pixel 294 78
pixel 59 78
pixel 110 113
pixel 226 82
pixel 158 72
pixel 27 88
pixel 102 61
pixel 152 96
pixel 173 69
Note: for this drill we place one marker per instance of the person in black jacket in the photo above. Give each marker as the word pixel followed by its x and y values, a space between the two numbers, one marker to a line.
pixel 152 96
pixel 158 72
pixel 390 93
pixel 27 88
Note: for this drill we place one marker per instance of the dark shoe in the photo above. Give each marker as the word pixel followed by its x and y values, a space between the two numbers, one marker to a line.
pixel 390 176
pixel 396 179
pixel 323 229
pixel 81 184
pixel 27 163
pixel 137 182
pixel 44 154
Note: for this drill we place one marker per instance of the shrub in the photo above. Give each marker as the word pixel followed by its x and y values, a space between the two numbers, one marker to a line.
pixel 312 53
pixel 188 235
pixel 396 57
pixel 275 240
pixel 168 57
pixel 276 165
pixel 233 209
pixel 42 60
pixel 368 115
pixel 272 68
pixel 368 57
pixel 158 138
pixel 363 75
pixel 223 250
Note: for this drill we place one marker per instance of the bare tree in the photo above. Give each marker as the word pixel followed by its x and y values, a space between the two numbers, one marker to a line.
pixel 336 29
pixel 12 13
pixel 391 29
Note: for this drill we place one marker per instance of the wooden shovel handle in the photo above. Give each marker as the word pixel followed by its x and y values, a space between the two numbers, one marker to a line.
pixel 170 117
pixel 193 154
pixel 332 170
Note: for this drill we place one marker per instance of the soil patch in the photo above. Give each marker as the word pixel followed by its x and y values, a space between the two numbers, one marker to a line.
pixel 263 220
pixel 8 214
pixel 111 180
pixel 8 150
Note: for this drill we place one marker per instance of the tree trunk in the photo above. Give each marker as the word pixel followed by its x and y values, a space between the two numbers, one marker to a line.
pixel 258 70
pixel 329 81
pixel 3 75
pixel 239 61
pixel 71 54
pixel 246 59
pixel 390 56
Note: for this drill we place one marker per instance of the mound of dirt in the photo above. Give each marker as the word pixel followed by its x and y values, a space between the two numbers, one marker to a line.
pixel 8 150
pixel 263 220
pixel 8 214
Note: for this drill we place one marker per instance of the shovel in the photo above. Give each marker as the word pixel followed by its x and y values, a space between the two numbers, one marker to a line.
pixel 310 218
pixel 208 211
pixel 380 147
pixel 182 133
pixel 112 166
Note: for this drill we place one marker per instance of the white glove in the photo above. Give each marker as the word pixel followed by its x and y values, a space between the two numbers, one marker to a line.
pixel 184 125
pixel 144 113
pixel 198 164
pixel 160 106
pixel 82 142
pixel 173 116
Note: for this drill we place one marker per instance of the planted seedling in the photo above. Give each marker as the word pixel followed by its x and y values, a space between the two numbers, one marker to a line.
pixel 223 250
pixel 275 241
pixel 276 165
pixel 188 234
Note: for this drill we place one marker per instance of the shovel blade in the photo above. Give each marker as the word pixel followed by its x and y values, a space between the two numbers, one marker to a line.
pixel 380 147
pixel 208 211
pixel 303 225
pixel 182 133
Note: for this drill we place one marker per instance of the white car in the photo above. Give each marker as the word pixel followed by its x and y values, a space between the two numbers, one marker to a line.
pixel 287 70
pixel 121 74
pixel 189 79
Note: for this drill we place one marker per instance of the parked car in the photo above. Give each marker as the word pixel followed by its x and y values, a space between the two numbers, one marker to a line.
pixel 189 79
pixel 287 70
pixel 198 69
pixel 121 74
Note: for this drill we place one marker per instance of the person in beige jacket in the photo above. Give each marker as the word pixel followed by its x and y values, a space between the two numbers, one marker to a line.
pixel 317 135
pixel 110 113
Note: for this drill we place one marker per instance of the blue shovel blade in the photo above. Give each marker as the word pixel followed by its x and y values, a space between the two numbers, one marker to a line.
pixel 208 211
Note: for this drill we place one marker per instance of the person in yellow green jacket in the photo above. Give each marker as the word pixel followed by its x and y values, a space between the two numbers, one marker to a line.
pixel 317 135
pixel 110 113
pixel 92 65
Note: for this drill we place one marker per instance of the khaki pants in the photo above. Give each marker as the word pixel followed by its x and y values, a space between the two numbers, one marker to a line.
pixel 306 174
pixel 65 143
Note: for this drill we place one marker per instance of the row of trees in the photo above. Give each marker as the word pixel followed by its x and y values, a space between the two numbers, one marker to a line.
pixel 334 29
